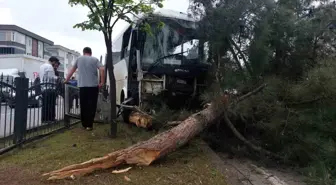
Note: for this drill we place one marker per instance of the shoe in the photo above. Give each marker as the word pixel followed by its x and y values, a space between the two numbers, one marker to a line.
pixel 88 128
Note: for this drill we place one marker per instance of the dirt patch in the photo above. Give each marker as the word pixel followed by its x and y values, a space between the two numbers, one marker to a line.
pixel 15 175
pixel 245 172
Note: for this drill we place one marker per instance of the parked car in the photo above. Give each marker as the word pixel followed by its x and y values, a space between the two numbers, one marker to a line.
pixel 8 94
pixel 33 100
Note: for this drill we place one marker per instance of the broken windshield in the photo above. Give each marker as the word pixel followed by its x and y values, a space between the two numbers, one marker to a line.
pixel 175 43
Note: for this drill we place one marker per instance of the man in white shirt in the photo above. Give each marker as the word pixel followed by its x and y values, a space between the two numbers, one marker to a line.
pixel 48 87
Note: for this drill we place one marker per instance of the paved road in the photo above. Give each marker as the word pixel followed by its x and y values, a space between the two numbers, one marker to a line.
pixel 33 117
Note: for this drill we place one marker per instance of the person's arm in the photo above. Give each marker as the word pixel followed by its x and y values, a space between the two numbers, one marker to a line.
pixel 101 73
pixel 72 71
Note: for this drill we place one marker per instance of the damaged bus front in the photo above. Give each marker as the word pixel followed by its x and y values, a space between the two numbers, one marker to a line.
pixel 167 62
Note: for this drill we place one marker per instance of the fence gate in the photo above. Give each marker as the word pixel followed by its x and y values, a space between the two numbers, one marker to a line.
pixel 72 104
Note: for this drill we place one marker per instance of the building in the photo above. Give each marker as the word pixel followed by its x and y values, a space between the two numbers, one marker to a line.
pixel 27 64
pixel 19 46
pixel 66 56
pixel 16 40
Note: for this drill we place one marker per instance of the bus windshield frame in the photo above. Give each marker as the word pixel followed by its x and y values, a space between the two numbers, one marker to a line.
pixel 174 43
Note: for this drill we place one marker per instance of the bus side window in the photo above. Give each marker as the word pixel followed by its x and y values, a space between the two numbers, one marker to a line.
pixel 116 50
pixel 126 37
pixel 132 56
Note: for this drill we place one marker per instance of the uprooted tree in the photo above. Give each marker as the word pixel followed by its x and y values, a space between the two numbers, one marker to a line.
pixel 144 153
pixel 288 44
pixel 103 16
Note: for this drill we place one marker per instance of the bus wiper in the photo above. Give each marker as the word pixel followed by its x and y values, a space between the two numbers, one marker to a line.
pixel 158 61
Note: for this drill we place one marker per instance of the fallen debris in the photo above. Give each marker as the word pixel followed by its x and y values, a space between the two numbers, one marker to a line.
pixel 144 153
pixel 140 119
pixel 121 171
pixel 127 178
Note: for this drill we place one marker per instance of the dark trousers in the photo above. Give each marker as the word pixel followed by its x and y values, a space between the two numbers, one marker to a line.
pixel 48 105
pixel 88 97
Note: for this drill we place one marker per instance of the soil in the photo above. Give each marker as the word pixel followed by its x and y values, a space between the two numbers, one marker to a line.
pixel 239 171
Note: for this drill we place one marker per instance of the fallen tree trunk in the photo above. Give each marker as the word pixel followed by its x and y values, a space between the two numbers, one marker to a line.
pixel 144 153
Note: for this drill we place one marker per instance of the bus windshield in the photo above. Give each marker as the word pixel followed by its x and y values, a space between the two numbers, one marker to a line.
pixel 175 43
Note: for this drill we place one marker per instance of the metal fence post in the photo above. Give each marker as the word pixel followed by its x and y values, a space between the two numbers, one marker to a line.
pixel 66 106
pixel 21 109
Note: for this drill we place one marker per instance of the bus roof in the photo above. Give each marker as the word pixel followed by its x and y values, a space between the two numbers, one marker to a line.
pixel 161 13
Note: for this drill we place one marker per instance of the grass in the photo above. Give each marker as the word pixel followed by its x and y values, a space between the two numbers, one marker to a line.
pixel 188 165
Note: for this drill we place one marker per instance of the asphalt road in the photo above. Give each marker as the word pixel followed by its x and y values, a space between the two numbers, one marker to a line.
pixel 33 117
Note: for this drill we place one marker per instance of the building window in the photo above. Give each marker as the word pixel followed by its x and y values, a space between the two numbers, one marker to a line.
pixel 28 45
pixel 40 49
pixel 13 36
pixel 6 36
pixel 6 51
pixel 19 38
pixel 2 36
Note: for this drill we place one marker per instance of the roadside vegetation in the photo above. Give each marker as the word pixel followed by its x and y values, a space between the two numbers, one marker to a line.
pixel 290 46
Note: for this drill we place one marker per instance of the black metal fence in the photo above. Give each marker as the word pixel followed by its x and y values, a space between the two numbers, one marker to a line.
pixel 31 109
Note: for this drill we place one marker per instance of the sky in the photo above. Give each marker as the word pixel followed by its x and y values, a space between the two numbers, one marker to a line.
pixel 54 20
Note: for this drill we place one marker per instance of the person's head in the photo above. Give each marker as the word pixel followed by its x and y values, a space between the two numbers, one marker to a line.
pixel 87 51
pixel 54 62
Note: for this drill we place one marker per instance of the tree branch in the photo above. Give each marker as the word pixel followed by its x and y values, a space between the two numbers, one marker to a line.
pixel 110 6
pixel 247 65
pixel 255 91
pixel 91 9
pixel 235 57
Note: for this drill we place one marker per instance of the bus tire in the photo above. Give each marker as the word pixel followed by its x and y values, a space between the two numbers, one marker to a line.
pixel 125 115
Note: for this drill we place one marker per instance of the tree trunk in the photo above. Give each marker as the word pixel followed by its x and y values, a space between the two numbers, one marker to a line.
pixel 146 152
pixel 109 65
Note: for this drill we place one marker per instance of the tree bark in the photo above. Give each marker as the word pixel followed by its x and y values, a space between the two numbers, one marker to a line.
pixel 110 68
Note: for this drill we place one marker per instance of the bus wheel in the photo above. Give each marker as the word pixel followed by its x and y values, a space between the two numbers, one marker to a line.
pixel 125 112
pixel 125 115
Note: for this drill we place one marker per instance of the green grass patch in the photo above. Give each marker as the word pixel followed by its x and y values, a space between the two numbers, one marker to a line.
pixel 188 165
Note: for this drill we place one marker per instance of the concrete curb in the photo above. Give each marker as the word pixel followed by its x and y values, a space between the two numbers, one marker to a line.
pixel 240 179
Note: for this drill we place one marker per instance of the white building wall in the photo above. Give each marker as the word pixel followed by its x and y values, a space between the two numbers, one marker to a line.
pixel 24 63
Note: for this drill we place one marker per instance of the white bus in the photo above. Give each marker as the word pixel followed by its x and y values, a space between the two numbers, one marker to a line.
pixel 169 61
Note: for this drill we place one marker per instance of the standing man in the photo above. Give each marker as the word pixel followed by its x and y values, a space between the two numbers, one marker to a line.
pixel 48 87
pixel 88 85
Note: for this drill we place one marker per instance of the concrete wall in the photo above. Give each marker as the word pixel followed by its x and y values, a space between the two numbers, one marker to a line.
pixel 25 63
